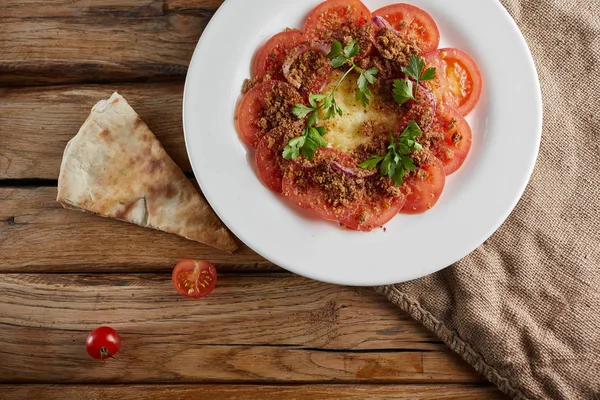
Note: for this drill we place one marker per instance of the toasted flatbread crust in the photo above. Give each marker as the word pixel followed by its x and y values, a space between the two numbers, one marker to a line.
pixel 115 167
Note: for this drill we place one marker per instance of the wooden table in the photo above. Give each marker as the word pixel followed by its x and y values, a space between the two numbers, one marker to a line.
pixel 264 333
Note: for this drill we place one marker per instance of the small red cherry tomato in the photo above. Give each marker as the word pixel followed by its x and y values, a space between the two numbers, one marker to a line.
pixel 102 343
pixel 193 278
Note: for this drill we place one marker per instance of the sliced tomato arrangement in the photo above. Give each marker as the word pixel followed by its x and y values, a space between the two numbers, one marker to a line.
pixel 458 80
pixel 367 195
pixel 193 278
pixel 364 213
pixel 425 187
pixel 379 210
pixel 250 111
pixel 333 16
pixel 269 163
pixel 453 149
pixel 310 197
pixel 269 59
pixel 412 22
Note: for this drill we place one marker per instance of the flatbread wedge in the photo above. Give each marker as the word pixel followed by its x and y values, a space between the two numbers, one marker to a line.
pixel 115 167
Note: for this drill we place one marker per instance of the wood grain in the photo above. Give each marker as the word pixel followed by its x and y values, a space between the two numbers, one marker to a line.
pixel 237 392
pixel 86 8
pixel 37 123
pixel 266 328
pixel 113 47
pixel 38 234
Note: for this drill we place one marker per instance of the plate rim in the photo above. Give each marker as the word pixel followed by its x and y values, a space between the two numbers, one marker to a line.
pixel 377 281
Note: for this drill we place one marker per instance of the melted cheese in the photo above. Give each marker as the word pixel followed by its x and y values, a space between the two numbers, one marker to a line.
pixel 345 133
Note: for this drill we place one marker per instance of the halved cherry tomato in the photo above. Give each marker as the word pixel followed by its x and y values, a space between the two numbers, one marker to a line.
pixel 250 111
pixel 331 16
pixel 453 149
pixel 269 161
pixel 458 80
pixel 193 278
pixel 102 343
pixel 425 188
pixel 413 22
pixel 269 59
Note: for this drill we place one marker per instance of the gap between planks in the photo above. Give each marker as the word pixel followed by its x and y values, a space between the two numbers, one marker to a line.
pixel 279 329
pixel 247 392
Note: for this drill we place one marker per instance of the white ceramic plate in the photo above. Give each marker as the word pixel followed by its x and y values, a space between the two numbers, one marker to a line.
pixel 477 199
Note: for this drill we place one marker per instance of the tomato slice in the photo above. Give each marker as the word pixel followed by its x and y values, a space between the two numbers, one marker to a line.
pixel 310 196
pixel 269 161
pixel 379 210
pixel 269 58
pixel 438 86
pixel 251 108
pixel 453 149
pixel 425 188
pixel 364 213
pixel 458 80
pixel 330 17
pixel 413 22
pixel 193 278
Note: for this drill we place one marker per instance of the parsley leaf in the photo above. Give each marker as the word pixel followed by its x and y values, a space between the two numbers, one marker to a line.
pixel 341 56
pixel 428 75
pixel 365 78
pixel 312 136
pixel 370 75
pixel 315 136
pixel 336 50
pixel 292 150
pixel 338 61
pixel 371 162
pixel 314 99
pixel 403 91
pixel 301 111
pixel 309 148
pixel 414 70
pixel 397 161
pixel 352 49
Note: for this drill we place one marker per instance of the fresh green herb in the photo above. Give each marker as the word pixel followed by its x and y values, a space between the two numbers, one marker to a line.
pixel 306 144
pixel 312 136
pixel 343 56
pixel 397 162
pixel 405 90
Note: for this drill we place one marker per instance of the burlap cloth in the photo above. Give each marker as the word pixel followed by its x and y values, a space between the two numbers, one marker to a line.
pixel 524 308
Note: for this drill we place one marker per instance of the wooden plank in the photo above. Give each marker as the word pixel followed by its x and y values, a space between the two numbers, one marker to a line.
pixel 38 234
pixel 85 8
pixel 247 392
pixel 37 123
pixel 98 48
pixel 268 328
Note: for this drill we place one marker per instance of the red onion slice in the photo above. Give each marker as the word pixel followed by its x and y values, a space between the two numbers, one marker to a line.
pixel 383 23
pixel 322 46
pixel 354 172
pixel 430 97
pixel 415 111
